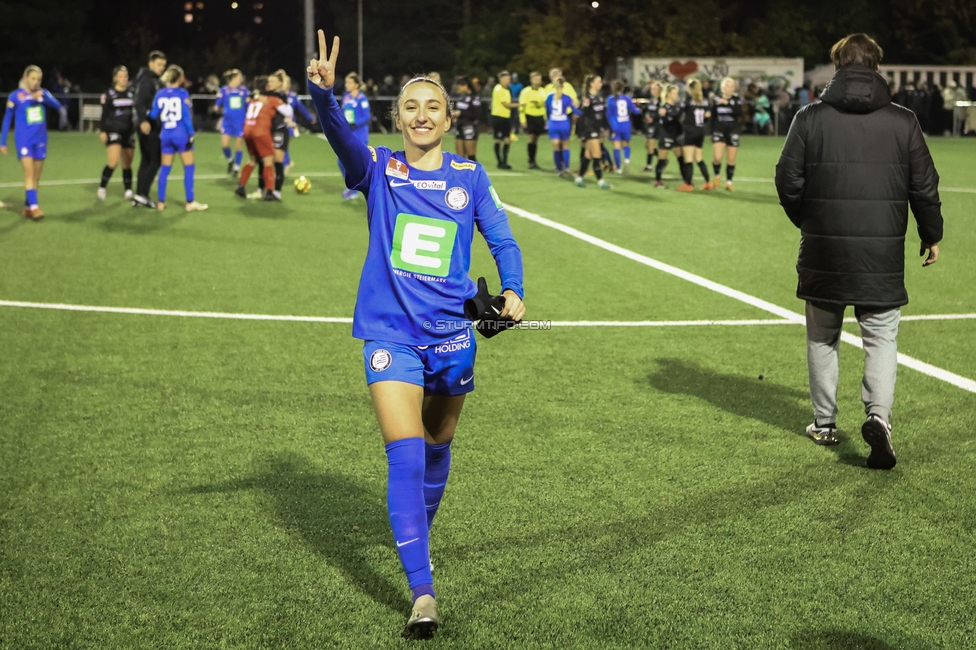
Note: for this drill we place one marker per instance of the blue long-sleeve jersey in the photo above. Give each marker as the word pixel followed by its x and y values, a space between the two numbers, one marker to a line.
pixel 172 107
pixel 421 225
pixel 29 117
pixel 356 110
pixel 298 107
pixel 619 110
pixel 233 103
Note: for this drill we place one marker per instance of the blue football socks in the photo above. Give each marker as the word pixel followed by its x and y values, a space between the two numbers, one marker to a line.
pixel 163 177
pixel 627 152
pixel 188 171
pixel 226 151
pixel 238 157
pixel 408 517
pixel 438 466
pixel 31 201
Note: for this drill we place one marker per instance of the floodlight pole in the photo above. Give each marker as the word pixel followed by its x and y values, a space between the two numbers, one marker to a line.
pixel 309 33
pixel 360 26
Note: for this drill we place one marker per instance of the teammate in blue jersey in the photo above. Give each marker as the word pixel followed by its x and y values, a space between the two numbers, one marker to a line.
pixel 423 205
pixel 25 107
pixel 619 109
pixel 355 106
pixel 172 107
pixel 232 102
pixel 299 109
pixel 560 113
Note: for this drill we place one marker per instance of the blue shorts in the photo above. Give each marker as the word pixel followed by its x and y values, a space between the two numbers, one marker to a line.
pixel 622 132
pixel 174 143
pixel 443 369
pixel 35 151
pixel 560 132
pixel 232 129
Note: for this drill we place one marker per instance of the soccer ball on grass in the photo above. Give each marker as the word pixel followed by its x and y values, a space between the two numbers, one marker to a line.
pixel 302 185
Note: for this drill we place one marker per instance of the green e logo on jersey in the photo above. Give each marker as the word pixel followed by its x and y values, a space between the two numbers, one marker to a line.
pixel 35 114
pixel 423 245
pixel 235 102
pixel 494 195
pixel 350 114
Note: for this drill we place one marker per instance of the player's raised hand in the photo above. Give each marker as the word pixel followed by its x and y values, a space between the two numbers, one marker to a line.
pixel 321 71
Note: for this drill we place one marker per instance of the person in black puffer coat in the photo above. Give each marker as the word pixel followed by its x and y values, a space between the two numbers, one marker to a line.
pixel 851 166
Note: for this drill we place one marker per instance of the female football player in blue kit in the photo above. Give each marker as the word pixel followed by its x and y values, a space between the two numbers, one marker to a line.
pixel 27 104
pixel 355 106
pixel 619 109
pixel 559 108
pixel 299 109
pixel 232 101
pixel 423 205
pixel 172 107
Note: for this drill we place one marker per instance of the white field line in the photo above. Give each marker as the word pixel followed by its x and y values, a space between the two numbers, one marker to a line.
pixel 932 371
pixel 341 319
pixel 169 312
pixel 337 319
pixel 202 177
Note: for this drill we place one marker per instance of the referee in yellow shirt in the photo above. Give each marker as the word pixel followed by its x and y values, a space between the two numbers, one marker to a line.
pixel 501 117
pixel 568 89
pixel 532 114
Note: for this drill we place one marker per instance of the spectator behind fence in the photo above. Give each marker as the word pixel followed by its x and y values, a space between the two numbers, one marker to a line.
pixel 851 166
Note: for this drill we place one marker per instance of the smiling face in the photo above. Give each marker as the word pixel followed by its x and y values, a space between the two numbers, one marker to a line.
pixel 672 96
pixel 423 115
pixel 274 84
pixel 351 85
pixel 595 85
pixel 122 78
pixel 157 66
pixel 33 80
pixel 728 87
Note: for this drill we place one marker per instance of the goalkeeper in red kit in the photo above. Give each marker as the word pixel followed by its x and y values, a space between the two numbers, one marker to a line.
pixel 261 112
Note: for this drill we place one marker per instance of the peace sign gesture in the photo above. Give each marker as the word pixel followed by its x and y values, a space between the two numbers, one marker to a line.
pixel 321 71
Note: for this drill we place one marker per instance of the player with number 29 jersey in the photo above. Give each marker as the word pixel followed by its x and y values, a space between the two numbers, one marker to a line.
pixel 172 107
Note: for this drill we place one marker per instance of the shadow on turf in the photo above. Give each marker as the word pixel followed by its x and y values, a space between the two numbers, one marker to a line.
pixel 265 210
pixel 748 397
pixel 836 640
pixel 322 508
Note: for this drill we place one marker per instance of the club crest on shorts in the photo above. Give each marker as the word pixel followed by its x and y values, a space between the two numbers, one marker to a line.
pixel 396 169
pixel 456 198
pixel 380 360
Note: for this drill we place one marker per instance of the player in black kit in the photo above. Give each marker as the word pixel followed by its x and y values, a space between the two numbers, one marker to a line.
pixel 669 129
pixel 696 115
pixel 467 108
pixel 651 121
pixel 592 129
pixel 118 127
pixel 726 126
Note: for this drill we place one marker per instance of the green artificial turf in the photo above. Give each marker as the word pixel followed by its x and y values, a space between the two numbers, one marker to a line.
pixel 171 482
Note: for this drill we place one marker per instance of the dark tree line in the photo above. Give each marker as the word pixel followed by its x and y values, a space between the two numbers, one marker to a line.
pixel 86 38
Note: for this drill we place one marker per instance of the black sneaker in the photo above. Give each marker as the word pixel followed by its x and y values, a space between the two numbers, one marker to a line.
pixel 504 166
pixel 270 196
pixel 230 166
pixel 877 433
pixel 533 165
pixel 139 201
pixel 241 192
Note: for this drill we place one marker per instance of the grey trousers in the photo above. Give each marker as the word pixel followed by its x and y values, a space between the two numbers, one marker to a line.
pixel 879 330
